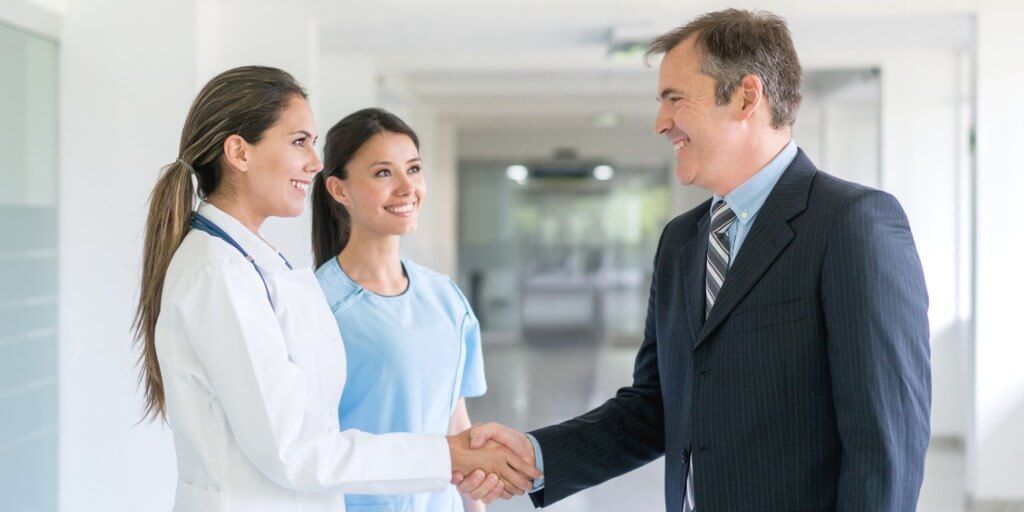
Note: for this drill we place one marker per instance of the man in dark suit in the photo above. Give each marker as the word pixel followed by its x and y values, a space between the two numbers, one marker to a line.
pixel 785 360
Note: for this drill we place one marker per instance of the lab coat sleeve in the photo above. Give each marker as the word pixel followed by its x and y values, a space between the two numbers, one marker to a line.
pixel 234 333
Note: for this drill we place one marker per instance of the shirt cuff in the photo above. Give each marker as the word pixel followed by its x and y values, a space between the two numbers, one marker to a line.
pixel 539 483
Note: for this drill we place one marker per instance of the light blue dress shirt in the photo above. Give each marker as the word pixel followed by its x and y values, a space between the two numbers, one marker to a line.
pixel 746 201
pixel 410 358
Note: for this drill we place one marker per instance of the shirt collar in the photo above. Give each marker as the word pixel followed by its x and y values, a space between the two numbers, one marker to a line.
pixel 746 200
pixel 261 251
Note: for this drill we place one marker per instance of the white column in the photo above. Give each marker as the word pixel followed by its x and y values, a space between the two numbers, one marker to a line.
pixel 127 79
pixel 996 448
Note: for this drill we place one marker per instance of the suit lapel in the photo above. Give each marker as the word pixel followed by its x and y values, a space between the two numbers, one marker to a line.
pixel 693 257
pixel 769 235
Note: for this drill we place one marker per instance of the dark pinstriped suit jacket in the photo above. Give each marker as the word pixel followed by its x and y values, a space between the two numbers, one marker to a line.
pixel 807 388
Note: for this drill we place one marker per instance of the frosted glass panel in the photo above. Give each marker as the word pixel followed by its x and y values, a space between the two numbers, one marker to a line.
pixel 28 272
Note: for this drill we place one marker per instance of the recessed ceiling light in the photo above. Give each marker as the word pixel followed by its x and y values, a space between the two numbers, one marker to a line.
pixel 517 173
pixel 603 172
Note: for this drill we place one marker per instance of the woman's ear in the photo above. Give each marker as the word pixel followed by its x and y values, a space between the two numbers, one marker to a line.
pixel 236 152
pixel 338 189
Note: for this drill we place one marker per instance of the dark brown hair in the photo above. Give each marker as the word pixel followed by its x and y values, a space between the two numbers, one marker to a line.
pixel 733 44
pixel 243 101
pixel 332 223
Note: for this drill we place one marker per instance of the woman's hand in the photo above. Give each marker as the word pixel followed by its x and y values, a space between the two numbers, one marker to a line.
pixel 479 489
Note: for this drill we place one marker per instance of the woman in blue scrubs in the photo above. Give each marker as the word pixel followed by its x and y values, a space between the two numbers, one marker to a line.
pixel 411 339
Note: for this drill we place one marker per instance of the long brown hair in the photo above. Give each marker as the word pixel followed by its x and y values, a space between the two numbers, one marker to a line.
pixel 332 223
pixel 243 101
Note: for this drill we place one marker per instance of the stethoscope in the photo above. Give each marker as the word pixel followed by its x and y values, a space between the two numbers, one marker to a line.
pixel 207 226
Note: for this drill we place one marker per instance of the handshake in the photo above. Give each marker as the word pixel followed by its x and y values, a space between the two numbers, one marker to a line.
pixel 491 461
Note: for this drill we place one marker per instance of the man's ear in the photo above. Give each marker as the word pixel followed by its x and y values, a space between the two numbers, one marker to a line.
pixel 749 95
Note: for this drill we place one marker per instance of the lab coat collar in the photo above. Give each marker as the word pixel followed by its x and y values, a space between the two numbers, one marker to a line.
pixel 265 256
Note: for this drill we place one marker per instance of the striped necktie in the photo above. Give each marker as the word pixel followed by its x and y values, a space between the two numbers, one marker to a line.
pixel 722 218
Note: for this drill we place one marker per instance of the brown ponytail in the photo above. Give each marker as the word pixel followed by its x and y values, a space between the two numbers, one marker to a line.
pixel 243 101
pixel 170 211
pixel 332 223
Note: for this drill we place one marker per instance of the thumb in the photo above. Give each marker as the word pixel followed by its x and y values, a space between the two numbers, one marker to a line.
pixel 480 434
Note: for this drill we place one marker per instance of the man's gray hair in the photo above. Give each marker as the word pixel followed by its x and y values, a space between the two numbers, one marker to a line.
pixel 735 43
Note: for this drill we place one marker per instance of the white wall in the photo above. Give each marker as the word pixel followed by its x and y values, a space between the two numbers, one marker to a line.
pixel 996 448
pixel 127 78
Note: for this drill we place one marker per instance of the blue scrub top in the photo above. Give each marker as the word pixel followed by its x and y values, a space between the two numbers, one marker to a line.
pixel 411 357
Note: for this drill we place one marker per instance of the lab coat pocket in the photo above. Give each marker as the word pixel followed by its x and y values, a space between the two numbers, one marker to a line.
pixel 193 498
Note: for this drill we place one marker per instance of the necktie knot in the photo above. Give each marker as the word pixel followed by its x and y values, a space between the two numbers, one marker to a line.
pixel 722 217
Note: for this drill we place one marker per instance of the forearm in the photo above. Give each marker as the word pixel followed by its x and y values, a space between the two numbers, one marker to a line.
pixel 623 434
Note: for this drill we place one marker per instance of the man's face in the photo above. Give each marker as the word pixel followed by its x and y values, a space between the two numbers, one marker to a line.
pixel 703 134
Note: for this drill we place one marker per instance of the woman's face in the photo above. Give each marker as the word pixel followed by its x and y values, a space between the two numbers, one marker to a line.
pixel 279 169
pixel 385 185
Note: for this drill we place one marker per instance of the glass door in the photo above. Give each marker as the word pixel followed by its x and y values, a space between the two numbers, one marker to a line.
pixel 28 272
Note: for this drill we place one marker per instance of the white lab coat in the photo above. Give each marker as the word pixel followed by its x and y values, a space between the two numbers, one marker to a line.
pixel 252 391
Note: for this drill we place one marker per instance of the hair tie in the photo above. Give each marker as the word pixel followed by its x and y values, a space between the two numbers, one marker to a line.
pixel 187 166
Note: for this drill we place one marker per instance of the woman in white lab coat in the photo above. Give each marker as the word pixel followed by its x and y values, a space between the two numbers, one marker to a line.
pixel 240 352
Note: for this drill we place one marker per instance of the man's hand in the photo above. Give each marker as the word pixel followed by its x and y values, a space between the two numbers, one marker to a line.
pixel 512 439
pixel 493 459
pixel 482 435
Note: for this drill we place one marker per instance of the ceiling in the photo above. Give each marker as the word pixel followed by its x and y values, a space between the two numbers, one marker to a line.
pixel 493 63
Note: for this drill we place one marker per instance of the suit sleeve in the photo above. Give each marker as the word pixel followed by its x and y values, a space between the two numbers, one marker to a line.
pixel 235 335
pixel 875 308
pixel 623 434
